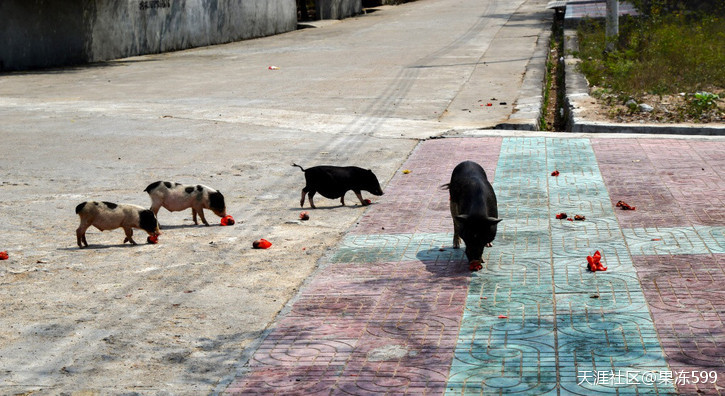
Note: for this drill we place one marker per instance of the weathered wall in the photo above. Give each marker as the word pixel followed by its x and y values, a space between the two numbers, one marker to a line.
pixel 338 9
pixel 43 33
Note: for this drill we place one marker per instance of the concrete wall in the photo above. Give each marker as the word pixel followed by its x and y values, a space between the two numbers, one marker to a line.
pixel 337 9
pixel 43 33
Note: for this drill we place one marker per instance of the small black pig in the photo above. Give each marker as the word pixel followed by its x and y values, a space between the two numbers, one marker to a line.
pixel 334 181
pixel 176 197
pixel 474 210
pixel 109 216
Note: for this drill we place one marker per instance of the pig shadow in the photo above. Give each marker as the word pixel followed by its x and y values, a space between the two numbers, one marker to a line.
pixel 318 207
pixel 445 261
pixel 99 246
pixel 163 227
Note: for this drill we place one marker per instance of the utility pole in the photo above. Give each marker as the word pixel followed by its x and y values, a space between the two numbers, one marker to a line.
pixel 612 28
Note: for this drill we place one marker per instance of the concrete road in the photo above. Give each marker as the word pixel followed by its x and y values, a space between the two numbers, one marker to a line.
pixel 180 317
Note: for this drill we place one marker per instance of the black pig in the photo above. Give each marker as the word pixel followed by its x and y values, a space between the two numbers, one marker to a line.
pixel 334 181
pixel 473 209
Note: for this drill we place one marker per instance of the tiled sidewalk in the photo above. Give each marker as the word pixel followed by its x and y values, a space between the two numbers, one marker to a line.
pixel 394 309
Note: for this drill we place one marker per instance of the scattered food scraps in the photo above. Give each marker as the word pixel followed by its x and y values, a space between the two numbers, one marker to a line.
pixel 594 262
pixel 261 244
pixel 489 104
pixel 624 206
pixel 4 255
pixel 570 219
pixel 152 239
pixel 227 220
pixel 475 265
pixel 656 239
pixel 580 217
pixel 367 202
pixel 273 68
pixel 304 216
pixel 406 171
pixel 561 216
pixel 503 103
pixel 555 173
pixel 503 317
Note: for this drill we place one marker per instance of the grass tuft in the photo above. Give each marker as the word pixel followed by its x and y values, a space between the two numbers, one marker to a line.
pixel 676 53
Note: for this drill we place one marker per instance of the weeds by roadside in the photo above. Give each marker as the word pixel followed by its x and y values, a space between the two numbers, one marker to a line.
pixel 665 69
pixel 552 116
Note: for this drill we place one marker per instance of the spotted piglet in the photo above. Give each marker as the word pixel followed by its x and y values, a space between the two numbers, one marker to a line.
pixel 176 197
pixel 109 216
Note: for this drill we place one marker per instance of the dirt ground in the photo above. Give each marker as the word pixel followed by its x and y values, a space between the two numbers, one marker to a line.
pixel 182 311
pixel 665 109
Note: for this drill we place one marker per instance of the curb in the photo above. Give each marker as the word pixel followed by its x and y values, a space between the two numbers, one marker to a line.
pixel 577 98
pixel 527 110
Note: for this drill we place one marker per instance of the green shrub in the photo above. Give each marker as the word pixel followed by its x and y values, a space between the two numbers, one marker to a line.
pixel 700 102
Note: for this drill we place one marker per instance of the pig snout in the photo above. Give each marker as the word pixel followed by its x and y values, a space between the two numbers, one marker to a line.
pixel 373 185
pixel 217 204
pixel 477 233
pixel 148 222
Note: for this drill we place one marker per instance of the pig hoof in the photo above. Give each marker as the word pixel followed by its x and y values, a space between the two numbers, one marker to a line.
pixel 489 244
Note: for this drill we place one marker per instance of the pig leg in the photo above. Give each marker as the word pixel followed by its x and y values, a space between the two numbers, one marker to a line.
pixel 359 196
pixel 129 235
pixel 155 206
pixel 81 235
pixel 456 236
pixel 201 216
pixel 193 215
pixel 456 240
pixel 302 200
pixel 310 195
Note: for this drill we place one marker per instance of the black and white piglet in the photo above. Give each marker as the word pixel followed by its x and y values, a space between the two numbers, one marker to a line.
pixel 334 181
pixel 176 197
pixel 109 216
pixel 474 210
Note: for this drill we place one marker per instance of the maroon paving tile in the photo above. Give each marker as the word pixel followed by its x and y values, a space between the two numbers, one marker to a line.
pixel 671 182
pixel 685 294
pixel 363 328
pixel 413 201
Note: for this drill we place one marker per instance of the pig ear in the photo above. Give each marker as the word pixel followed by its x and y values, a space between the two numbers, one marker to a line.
pixel 494 220
pixel 462 217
